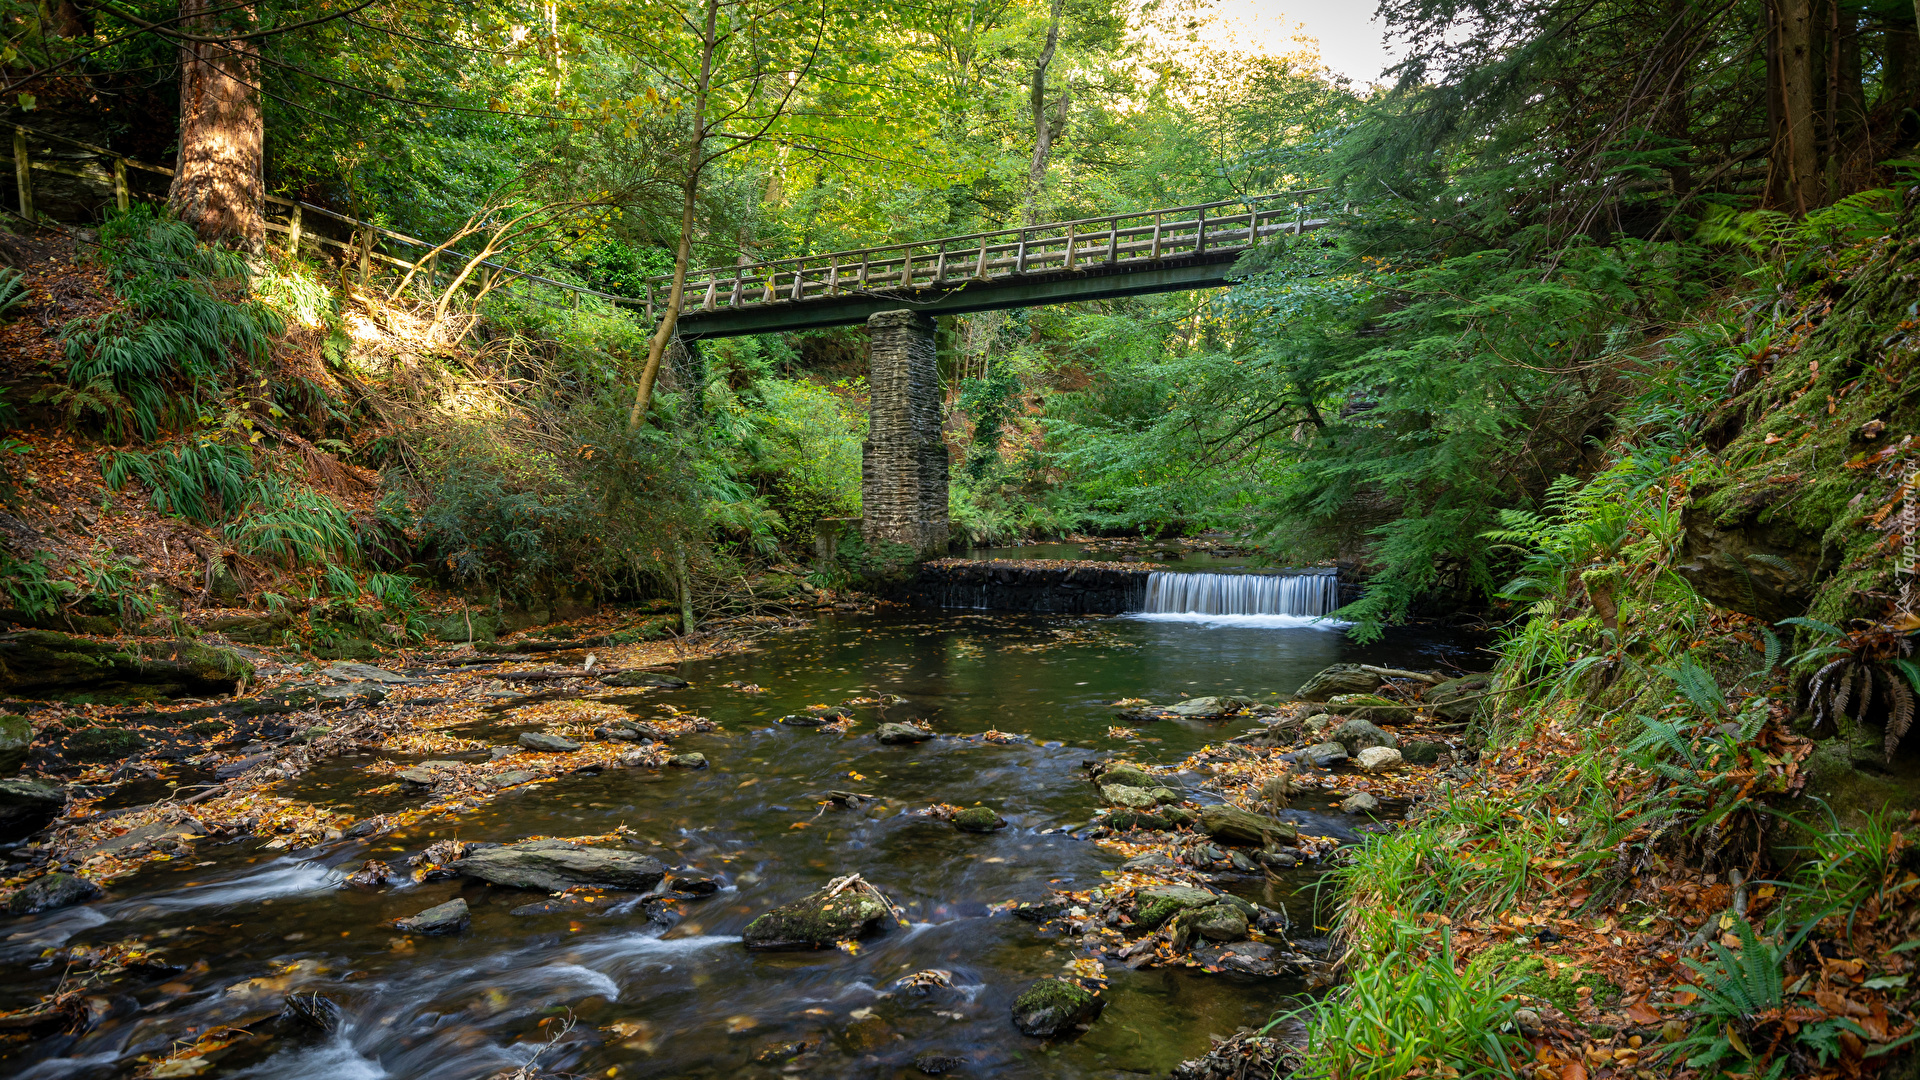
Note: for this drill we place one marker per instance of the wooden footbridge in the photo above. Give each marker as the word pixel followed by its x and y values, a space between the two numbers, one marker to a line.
pixel 1152 251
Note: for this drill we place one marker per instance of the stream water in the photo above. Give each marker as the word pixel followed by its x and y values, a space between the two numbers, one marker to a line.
pixel 687 1000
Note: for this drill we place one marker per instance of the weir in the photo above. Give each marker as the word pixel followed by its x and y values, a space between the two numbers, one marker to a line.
pixel 1096 588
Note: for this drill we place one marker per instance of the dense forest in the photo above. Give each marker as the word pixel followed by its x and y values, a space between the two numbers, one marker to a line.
pixel 348 334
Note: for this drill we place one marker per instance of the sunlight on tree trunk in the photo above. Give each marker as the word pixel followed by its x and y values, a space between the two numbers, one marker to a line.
pixel 217 185
pixel 1045 129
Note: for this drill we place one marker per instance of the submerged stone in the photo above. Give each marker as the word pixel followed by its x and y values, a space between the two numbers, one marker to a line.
pixel 1155 906
pixel 901 734
pixel 1051 1007
pixel 448 918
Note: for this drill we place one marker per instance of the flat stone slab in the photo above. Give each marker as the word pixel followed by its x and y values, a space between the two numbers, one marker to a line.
pixel 551 744
pixel 448 918
pixel 555 869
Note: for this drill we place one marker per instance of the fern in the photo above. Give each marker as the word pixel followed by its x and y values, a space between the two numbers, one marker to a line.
pixel 12 291
pixel 202 482
pixel 1697 685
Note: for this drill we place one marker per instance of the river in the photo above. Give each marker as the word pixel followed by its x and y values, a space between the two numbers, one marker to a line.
pixel 687 1000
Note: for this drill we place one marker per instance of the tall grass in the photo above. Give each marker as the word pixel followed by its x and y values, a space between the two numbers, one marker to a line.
pixel 293 525
pixel 203 482
pixel 185 325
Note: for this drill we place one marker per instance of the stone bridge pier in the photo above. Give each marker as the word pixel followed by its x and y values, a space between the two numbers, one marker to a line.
pixel 903 470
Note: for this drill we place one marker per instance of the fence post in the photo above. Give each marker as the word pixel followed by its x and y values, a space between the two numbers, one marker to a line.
pixel 23 172
pixel 293 231
pixel 1200 232
pixel 366 253
pixel 122 195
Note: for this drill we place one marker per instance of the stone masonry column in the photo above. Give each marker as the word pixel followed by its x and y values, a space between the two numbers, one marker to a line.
pixel 903 473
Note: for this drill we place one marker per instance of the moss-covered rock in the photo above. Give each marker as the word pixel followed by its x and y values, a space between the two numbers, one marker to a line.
pixel 1155 906
pixel 1232 825
pixel 104 743
pixel 16 735
pixel 979 819
pixel 1128 776
pixel 1336 680
pixel 844 911
pixel 1456 700
pixel 1372 708
pixel 1052 1007
pixel 60 667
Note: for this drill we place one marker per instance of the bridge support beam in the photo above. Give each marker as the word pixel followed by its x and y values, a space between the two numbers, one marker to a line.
pixel 903 472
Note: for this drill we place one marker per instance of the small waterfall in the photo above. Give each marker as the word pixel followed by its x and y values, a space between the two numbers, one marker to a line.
pixel 1241 594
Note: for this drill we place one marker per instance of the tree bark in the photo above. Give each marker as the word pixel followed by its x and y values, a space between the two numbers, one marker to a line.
pixel 689 199
pixel 1046 129
pixel 70 20
pixel 217 185
pixel 1797 151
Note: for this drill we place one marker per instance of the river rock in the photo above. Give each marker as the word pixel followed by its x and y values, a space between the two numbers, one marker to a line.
pixel 935 1063
pixel 16 735
pixel 43 665
pixel 1356 735
pixel 1338 679
pixel 523 866
pixel 1371 707
pixel 1359 803
pixel 1165 796
pixel 1134 819
pixel 1422 752
pixel 901 734
pixel 316 1011
pixel 1151 863
pixel 1051 1007
pixel 803 720
pixel 512 777
pixel 27 805
pixel 979 819
pixel 688 761
pixel 644 678
pixel 552 744
pixel 1131 797
pixel 1219 922
pixel 1210 708
pixel 347 671
pixel 448 918
pixel 50 891
pixel 1232 825
pixel 1154 906
pixel 417 777
pixel 1322 755
pixel 1378 759
pixel 843 911
pixel 1456 700
pixel 1128 776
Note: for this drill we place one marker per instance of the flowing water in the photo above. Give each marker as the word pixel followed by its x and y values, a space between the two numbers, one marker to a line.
pixel 1286 599
pixel 687 1000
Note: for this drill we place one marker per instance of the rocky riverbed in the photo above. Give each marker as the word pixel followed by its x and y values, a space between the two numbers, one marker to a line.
pixel 933 844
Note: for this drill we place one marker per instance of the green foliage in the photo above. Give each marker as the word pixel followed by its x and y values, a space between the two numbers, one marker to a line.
pixel 292 525
pixel 201 481
pixel 1414 1007
pixel 30 585
pixel 1734 988
pixel 12 291
pixel 181 329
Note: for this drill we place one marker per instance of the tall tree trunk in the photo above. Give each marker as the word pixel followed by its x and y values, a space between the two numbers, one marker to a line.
pixel 1899 45
pixel 217 186
pixel 70 20
pixel 689 200
pixel 1797 151
pixel 1045 129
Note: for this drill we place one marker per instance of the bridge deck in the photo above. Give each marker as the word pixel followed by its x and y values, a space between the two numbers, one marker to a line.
pixel 1185 247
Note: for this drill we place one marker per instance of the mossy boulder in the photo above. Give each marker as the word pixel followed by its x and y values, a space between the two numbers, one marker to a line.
pixel 44 665
pixel 1355 735
pixel 1153 907
pixel 1232 825
pixel 1052 1007
pixel 1131 797
pixel 1456 700
pixel 1128 776
pixel 104 743
pixel 1338 679
pixel 978 819
pixel 16 735
pixel 1123 820
pixel 843 911
pixel 1372 708
pixel 51 891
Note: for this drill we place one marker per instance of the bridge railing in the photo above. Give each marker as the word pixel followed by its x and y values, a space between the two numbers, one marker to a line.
pixel 1087 244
